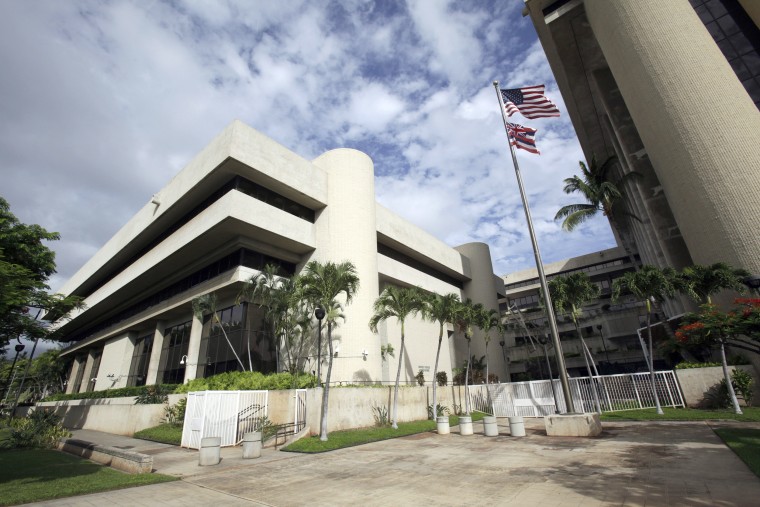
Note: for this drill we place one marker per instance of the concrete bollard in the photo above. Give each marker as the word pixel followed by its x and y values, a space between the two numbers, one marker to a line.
pixel 210 451
pixel 490 427
pixel 252 445
pixel 465 425
pixel 442 425
pixel 517 426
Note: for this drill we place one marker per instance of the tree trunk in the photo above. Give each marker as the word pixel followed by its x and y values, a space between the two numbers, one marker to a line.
pixel 398 379
pixel 586 356
pixel 729 385
pixel 486 363
pixel 651 361
pixel 326 392
pixel 467 381
pixel 435 374
pixel 242 366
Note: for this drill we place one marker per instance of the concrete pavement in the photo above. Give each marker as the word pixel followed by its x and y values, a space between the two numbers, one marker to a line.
pixel 631 464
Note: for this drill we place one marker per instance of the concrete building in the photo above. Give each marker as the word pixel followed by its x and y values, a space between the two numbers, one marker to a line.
pixel 672 88
pixel 242 203
pixel 609 327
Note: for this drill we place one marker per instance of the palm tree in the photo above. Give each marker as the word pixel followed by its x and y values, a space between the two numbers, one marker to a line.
pixel 466 316
pixel 287 314
pixel 400 303
pixel 569 294
pixel 441 309
pixel 602 194
pixel 705 281
pixel 322 284
pixel 488 320
pixel 651 285
pixel 207 304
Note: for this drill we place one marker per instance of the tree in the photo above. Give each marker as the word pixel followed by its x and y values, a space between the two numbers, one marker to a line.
pixel 399 303
pixel 488 320
pixel 207 304
pixel 652 286
pixel 441 309
pixel 287 315
pixel 25 267
pixel 322 284
pixel 465 317
pixel 703 282
pixel 603 195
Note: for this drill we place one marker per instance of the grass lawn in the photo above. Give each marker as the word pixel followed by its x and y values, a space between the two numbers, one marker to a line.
pixel 165 433
pixel 751 414
pixel 33 475
pixel 745 442
pixel 349 438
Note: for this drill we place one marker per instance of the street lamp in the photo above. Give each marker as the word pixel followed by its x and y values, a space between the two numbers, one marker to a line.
pixel 319 313
pixel 606 354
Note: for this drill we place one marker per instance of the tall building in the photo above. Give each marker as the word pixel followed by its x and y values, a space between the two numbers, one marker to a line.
pixel 242 203
pixel 670 88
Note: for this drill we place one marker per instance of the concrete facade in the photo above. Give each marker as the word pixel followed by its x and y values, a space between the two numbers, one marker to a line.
pixel 244 202
pixel 646 81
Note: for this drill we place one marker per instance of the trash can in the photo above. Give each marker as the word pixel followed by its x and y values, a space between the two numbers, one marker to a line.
pixel 210 451
pixel 490 427
pixel 465 425
pixel 252 445
pixel 517 426
pixel 442 425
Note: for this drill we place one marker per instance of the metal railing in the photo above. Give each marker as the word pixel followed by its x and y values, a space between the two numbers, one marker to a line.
pixel 608 393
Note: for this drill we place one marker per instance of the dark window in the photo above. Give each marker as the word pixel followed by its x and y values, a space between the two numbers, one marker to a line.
pixel 176 341
pixel 419 266
pixel 138 369
pixel 96 356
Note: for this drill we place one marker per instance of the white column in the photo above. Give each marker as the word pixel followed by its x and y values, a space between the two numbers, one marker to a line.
pixel 155 353
pixel 699 126
pixel 191 365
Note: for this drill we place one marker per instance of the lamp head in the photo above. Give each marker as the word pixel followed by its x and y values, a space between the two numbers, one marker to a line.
pixel 319 313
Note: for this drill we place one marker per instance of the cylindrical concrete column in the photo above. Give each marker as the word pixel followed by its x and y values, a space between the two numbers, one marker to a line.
pixel 699 126
pixel 481 289
pixel 347 231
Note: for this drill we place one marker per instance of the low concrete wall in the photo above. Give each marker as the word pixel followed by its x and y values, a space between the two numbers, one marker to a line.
pixel 696 382
pixel 127 461
pixel 112 415
pixel 349 407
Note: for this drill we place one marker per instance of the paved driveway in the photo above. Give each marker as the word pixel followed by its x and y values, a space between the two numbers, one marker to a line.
pixel 632 464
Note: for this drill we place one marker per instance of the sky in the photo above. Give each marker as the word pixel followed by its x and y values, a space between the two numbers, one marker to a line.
pixel 103 102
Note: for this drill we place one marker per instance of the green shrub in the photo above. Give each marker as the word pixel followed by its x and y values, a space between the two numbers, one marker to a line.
pixel 742 383
pixel 440 411
pixel 689 365
pixel 175 414
pixel 152 396
pixel 249 381
pixel 420 377
pixel 121 392
pixel 442 378
pixel 381 416
pixel 40 429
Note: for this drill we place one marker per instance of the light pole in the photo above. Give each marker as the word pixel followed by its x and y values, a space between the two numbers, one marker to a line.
pixel 606 355
pixel 19 347
pixel 319 313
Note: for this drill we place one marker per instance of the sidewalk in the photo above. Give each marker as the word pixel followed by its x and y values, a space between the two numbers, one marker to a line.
pixel 631 464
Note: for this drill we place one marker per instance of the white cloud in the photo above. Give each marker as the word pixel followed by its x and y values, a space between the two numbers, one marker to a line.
pixel 101 103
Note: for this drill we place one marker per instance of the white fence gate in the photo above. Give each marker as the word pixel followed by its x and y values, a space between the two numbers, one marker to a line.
pixel 628 391
pixel 225 414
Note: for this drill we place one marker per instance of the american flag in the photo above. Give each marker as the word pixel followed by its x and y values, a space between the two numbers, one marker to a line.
pixel 529 101
pixel 522 137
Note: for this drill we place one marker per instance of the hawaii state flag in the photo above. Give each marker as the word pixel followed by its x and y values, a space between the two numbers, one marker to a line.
pixel 522 137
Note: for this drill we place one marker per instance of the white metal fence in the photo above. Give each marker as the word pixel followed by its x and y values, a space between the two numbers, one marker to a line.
pixel 608 393
pixel 225 414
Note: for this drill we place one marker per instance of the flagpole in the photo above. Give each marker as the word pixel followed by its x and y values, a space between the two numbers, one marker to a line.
pixel 540 267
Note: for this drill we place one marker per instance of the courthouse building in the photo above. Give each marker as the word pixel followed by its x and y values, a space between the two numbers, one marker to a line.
pixel 242 203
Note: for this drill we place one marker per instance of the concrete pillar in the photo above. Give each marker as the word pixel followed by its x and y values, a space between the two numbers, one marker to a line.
pixel 481 289
pixel 347 231
pixel 87 383
pixel 115 362
pixel 699 126
pixel 193 346
pixel 78 363
pixel 155 353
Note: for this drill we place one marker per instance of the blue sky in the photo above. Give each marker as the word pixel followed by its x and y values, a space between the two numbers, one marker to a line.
pixel 103 102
